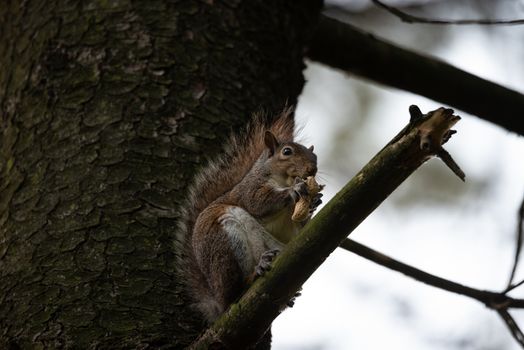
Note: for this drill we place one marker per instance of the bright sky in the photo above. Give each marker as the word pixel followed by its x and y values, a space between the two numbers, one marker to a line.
pixel 464 234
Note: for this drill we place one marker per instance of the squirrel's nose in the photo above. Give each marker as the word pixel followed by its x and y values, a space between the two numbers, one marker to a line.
pixel 312 170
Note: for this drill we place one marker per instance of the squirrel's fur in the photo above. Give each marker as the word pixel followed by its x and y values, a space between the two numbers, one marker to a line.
pixel 212 207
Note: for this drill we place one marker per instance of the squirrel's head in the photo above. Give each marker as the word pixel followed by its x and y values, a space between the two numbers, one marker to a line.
pixel 289 160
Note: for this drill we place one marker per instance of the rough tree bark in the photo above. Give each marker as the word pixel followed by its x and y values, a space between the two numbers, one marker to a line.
pixel 107 109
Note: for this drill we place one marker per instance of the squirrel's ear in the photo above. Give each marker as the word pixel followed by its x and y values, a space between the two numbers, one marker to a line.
pixel 271 142
pixel 311 148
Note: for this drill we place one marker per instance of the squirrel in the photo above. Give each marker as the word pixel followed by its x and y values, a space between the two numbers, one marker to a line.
pixel 237 216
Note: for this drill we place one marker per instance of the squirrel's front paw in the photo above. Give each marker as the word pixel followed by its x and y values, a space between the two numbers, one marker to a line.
pixel 291 302
pixel 264 264
pixel 300 189
pixel 315 202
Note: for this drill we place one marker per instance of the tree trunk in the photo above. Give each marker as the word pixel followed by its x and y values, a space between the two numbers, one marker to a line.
pixel 108 108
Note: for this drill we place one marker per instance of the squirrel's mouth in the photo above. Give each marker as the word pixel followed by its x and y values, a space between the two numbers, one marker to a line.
pixel 292 174
pixel 309 172
pixel 304 176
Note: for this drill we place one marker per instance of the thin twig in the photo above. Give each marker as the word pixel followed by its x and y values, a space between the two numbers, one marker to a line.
pixel 492 300
pixel 511 287
pixel 451 164
pixel 406 17
pixel 512 326
pixel 518 247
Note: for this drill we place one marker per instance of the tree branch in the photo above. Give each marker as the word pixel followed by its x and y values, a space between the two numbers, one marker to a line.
pixel 492 300
pixel 345 47
pixel 246 321
pixel 406 17
pixel 500 302
pixel 518 247
pixel 512 326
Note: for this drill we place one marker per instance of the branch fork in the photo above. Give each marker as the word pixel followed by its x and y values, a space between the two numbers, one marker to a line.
pixel 434 131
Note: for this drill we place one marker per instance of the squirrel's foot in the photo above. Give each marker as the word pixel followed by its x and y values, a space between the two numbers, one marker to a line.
pixel 264 264
pixel 291 302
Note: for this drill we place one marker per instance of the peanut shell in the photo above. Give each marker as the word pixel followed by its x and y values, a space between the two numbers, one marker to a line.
pixel 301 210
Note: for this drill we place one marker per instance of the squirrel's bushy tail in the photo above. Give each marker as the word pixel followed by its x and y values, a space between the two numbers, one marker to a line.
pixel 219 176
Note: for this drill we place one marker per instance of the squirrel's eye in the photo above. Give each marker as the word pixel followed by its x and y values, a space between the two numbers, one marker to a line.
pixel 287 151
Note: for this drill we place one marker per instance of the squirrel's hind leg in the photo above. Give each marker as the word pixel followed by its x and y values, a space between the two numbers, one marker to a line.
pixel 228 244
pixel 219 265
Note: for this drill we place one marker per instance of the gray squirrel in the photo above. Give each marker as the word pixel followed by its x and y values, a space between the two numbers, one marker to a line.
pixel 237 215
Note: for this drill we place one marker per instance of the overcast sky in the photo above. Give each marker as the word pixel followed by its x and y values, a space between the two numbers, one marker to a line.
pixel 463 232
